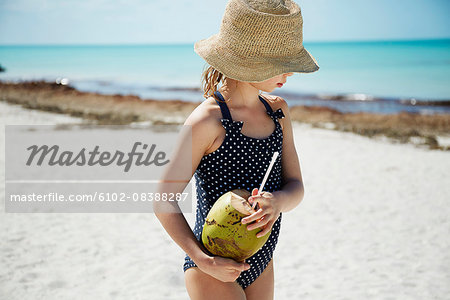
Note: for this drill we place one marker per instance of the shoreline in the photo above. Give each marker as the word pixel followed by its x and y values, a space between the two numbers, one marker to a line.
pixel 345 102
pixel 430 131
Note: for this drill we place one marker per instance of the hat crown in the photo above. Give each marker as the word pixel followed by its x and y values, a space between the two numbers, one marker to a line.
pixel 262 28
pixel 258 39
pixel 276 7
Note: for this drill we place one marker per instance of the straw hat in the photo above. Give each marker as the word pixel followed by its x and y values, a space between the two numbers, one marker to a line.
pixel 258 39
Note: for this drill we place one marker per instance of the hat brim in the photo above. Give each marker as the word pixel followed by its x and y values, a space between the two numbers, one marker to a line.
pixel 251 69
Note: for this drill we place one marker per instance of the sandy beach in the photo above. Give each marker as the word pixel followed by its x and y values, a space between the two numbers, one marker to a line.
pixel 373 223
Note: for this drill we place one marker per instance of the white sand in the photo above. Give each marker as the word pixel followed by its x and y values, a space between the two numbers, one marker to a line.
pixel 374 224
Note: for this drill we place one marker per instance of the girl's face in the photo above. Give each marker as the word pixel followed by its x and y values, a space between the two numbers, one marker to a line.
pixel 272 83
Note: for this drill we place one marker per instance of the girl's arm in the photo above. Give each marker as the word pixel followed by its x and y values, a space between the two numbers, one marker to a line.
pixel 204 131
pixel 292 191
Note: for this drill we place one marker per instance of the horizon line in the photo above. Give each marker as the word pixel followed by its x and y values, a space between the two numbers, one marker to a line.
pixel 191 43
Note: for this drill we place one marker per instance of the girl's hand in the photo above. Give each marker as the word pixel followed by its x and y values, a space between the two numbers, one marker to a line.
pixel 223 269
pixel 266 215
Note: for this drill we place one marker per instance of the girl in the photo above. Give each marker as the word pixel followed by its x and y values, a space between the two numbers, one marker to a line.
pixel 235 132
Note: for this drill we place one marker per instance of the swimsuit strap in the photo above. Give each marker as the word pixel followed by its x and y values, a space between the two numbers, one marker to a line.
pixel 278 114
pixel 223 106
pixel 268 108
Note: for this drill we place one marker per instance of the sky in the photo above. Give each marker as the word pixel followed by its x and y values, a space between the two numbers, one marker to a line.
pixel 186 21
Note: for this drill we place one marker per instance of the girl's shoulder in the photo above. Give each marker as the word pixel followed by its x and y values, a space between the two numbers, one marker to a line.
pixel 206 115
pixel 275 102
pixel 209 109
pixel 205 127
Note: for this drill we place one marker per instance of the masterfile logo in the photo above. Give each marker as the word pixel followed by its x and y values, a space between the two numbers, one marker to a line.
pixel 94 168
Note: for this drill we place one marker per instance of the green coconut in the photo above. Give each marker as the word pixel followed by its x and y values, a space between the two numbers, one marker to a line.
pixel 223 233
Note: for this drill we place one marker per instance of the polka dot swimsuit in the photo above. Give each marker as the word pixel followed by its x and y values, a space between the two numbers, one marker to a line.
pixel 239 163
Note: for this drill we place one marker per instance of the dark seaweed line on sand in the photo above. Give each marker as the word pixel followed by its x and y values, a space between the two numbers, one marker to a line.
pixel 119 109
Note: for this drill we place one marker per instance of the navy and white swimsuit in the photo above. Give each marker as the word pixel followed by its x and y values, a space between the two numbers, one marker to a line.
pixel 239 163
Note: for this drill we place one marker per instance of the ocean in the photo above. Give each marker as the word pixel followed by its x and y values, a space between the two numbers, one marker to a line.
pixel 379 76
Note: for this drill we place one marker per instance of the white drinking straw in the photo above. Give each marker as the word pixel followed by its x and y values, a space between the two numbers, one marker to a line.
pixel 274 157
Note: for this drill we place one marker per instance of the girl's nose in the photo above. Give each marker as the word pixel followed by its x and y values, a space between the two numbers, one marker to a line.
pixel 288 74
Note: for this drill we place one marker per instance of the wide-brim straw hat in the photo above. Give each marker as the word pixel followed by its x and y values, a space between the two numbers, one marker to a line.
pixel 258 39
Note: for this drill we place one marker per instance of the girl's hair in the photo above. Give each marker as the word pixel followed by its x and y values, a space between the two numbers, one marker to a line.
pixel 210 81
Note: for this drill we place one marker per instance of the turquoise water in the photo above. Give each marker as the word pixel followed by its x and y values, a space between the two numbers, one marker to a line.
pixel 388 71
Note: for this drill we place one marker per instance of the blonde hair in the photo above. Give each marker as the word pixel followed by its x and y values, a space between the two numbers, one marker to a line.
pixel 210 81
